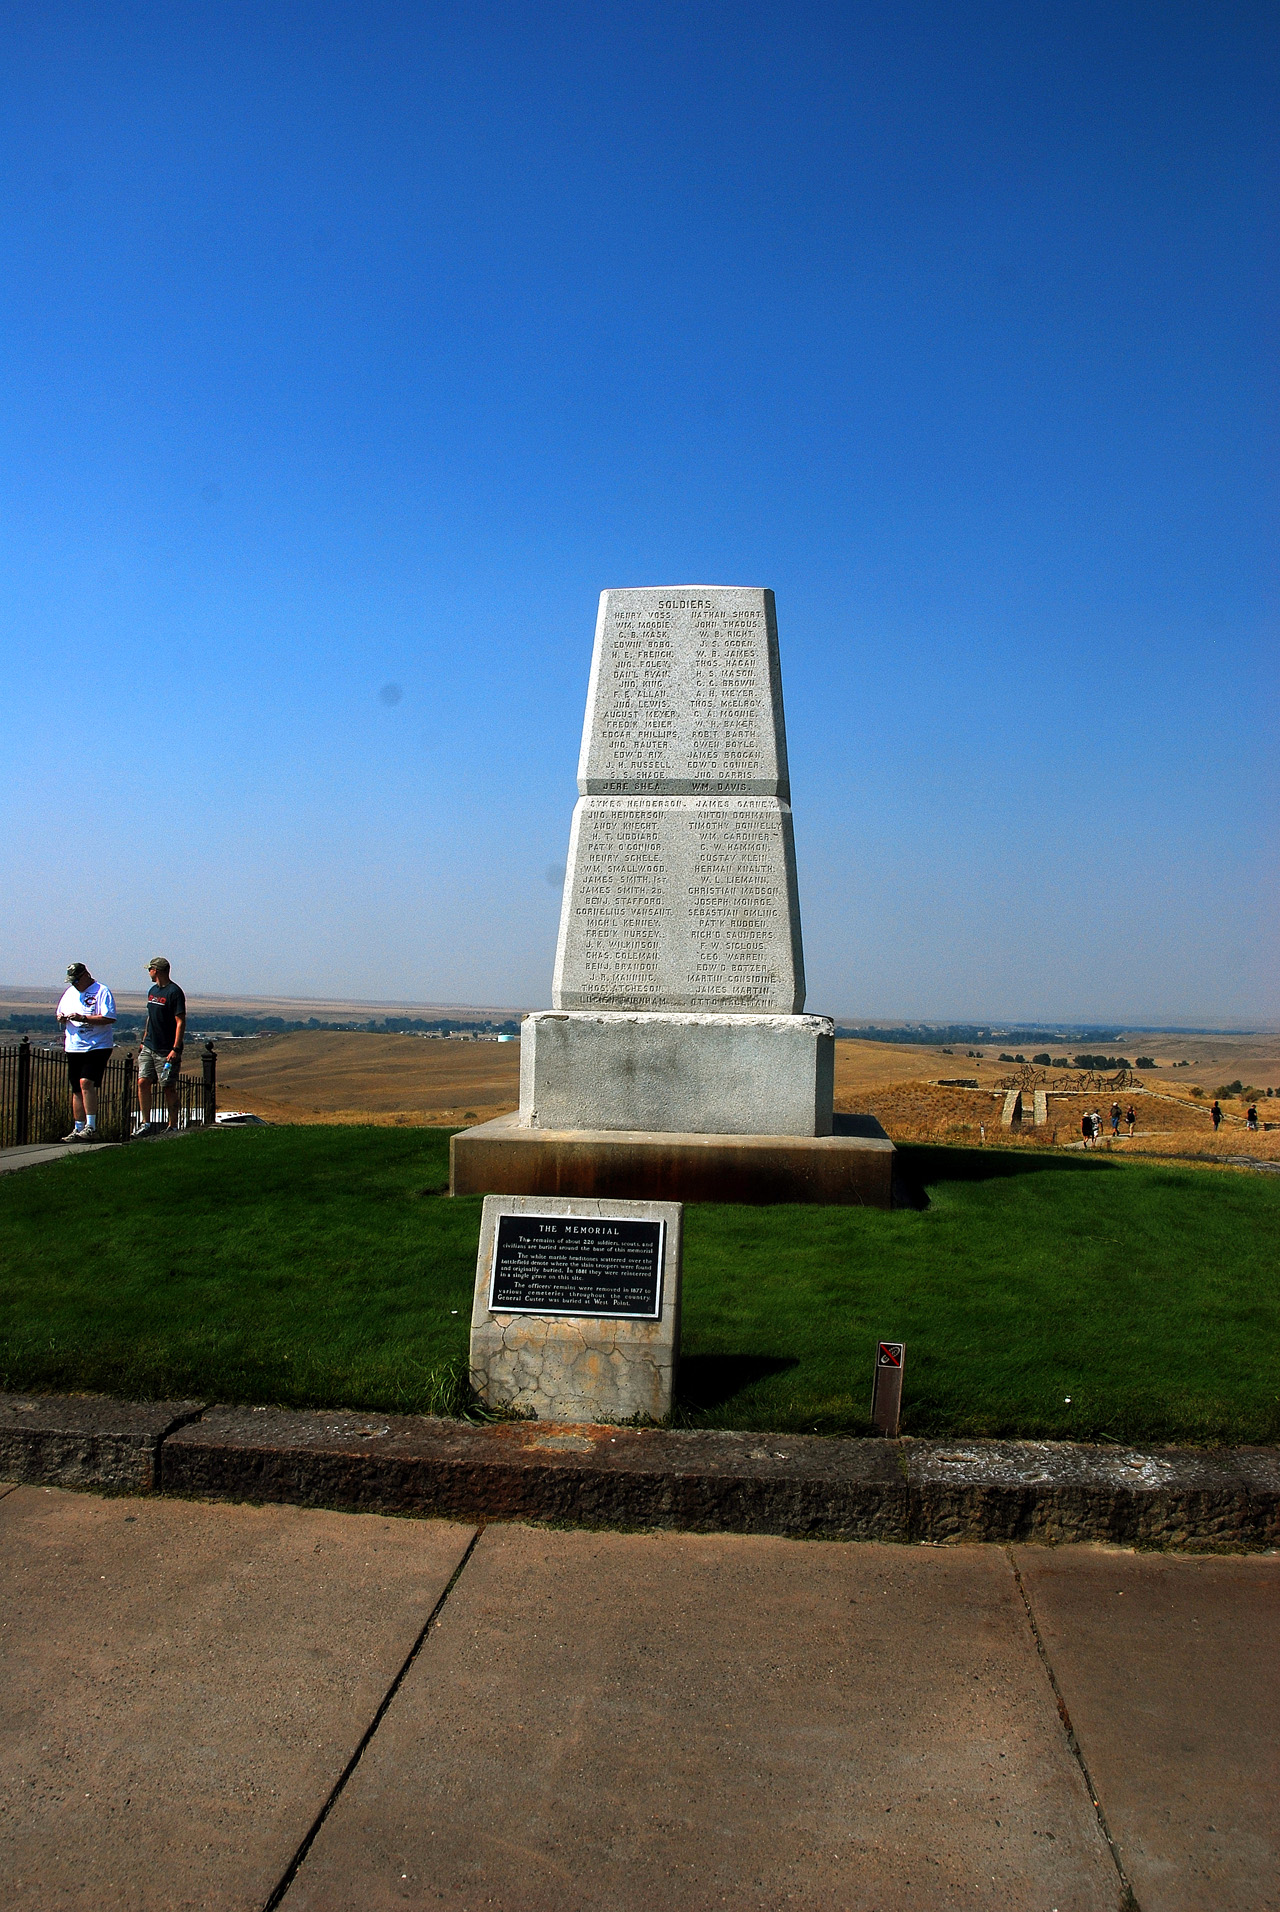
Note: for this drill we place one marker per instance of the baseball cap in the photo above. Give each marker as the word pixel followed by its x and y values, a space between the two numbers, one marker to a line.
pixel 75 969
pixel 159 962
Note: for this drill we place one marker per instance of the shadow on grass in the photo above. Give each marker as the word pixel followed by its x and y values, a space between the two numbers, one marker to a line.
pixel 925 1164
pixel 709 1380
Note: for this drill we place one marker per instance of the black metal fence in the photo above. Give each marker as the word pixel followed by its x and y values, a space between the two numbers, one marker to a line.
pixel 35 1095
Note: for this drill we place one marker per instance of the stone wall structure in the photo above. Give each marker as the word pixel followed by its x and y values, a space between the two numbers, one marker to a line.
pixel 679 975
pixel 678 1061
pixel 681 886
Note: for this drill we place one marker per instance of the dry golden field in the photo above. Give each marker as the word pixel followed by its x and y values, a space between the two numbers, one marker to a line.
pixel 900 1086
pixel 323 1076
pixel 317 1075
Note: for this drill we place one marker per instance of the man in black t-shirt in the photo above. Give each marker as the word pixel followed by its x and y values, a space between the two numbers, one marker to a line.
pixel 161 1045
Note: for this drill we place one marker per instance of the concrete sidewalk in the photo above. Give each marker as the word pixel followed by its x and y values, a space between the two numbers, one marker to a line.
pixel 32 1154
pixel 244 1707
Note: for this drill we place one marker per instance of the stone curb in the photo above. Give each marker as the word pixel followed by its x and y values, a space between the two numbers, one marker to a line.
pixel 87 1440
pixel 533 1470
pixel 939 1492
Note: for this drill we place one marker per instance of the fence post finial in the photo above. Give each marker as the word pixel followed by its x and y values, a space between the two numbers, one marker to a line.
pixel 209 1061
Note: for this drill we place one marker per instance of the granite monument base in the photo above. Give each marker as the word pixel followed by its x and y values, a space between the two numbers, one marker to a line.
pixel 854 1166
pixel 688 1072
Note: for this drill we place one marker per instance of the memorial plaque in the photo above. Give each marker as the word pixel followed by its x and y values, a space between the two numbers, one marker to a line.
pixel 681 890
pixel 605 1267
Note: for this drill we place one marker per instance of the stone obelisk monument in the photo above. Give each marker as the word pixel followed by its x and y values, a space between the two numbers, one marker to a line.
pixel 677 1061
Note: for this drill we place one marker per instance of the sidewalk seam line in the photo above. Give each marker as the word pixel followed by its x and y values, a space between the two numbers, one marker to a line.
pixel 1073 1743
pixel 309 1838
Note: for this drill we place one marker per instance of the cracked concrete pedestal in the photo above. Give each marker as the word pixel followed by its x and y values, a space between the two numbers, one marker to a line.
pixel 677 1072
pixel 577 1366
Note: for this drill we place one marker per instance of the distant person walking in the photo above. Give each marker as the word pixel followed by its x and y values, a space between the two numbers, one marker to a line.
pixel 1115 1118
pixel 1086 1129
pixel 161 1045
pixel 1131 1116
pixel 1216 1113
pixel 1251 1117
pixel 87 1016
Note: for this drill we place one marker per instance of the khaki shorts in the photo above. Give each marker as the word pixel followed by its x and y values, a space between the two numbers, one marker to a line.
pixel 150 1066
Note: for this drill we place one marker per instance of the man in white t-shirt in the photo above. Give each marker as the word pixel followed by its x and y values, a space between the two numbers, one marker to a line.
pixel 87 1014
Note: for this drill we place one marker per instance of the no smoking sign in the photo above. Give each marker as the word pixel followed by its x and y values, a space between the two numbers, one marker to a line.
pixel 886 1394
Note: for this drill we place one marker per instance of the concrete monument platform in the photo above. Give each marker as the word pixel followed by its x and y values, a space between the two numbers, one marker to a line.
pixel 852 1167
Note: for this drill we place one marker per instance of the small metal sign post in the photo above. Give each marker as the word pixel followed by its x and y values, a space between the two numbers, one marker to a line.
pixel 886 1395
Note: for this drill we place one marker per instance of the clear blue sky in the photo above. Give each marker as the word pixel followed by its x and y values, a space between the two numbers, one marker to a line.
pixel 346 346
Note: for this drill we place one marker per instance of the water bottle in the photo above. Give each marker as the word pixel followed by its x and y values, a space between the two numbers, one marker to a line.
pixel 168 1072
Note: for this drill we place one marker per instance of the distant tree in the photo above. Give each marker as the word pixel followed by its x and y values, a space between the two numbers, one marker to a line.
pixel 1042 1060
pixel 1229 1089
pixel 1002 1057
pixel 1145 1062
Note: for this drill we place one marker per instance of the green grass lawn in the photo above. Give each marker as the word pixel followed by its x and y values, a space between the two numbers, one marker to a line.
pixel 326 1267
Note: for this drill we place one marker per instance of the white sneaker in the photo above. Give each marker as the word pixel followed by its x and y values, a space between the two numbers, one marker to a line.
pixel 76 1135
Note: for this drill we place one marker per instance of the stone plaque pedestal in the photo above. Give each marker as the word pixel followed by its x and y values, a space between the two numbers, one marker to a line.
pixel 553 1359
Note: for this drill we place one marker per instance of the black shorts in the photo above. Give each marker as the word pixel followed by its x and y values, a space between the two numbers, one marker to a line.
pixel 87 1065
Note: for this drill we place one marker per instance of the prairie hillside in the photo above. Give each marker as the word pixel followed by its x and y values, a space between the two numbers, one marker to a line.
pixel 902 1086
pixel 328 1076
pixel 318 1075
